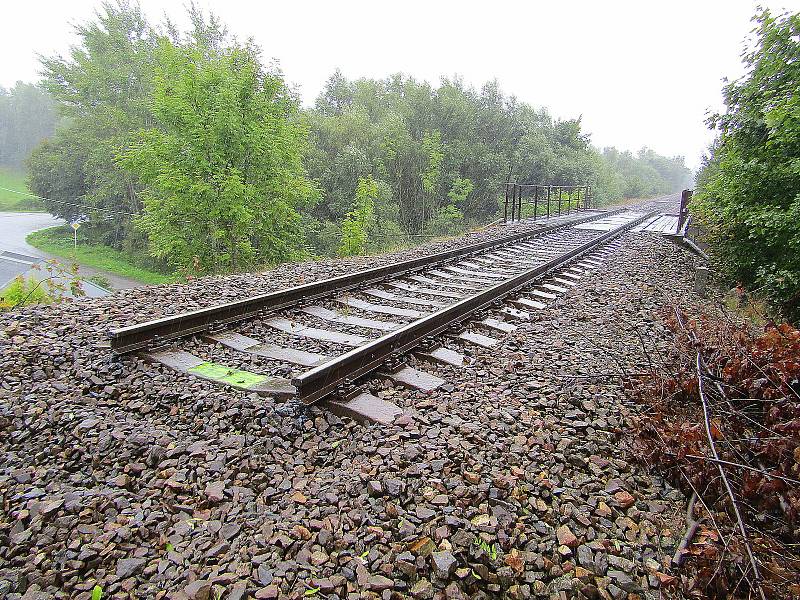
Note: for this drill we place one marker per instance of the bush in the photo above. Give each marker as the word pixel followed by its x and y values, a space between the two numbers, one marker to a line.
pixel 748 198
pixel 447 220
pixel 22 292
pixel 356 226
pixel 103 282
pixel 748 405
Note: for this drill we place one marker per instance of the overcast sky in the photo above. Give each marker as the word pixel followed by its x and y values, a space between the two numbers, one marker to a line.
pixel 638 72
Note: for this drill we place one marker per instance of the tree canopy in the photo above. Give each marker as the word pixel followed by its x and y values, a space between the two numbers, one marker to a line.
pixel 222 165
pixel 184 144
pixel 441 154
pixel 749 190
pixel 183 138
pixel 104 91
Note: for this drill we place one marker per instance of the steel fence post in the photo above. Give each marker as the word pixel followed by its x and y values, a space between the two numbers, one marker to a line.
pixel 505 206
pixel 548 201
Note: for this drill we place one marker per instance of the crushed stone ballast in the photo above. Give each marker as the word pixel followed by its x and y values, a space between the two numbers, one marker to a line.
pixel 316 340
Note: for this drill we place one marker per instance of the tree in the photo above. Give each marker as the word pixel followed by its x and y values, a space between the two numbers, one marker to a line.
pixel 27 116
pixel 748 197
pixel 103 91
pixel 420 143
pixel 178 142
pixel 356 226
pixel 185 145
pixel 432 171
pixel 56 172
pixel 223 165
pixel 647 174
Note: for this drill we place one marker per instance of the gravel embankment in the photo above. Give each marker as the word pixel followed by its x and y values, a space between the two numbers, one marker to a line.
pixel 509 480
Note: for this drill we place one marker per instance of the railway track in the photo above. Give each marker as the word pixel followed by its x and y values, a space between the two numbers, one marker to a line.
pixel 315 341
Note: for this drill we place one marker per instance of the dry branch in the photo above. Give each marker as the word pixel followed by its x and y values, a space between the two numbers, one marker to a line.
pixel 740 522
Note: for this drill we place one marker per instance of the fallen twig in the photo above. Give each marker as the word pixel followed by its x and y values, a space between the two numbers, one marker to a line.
pixel 700 368
pixel 691 529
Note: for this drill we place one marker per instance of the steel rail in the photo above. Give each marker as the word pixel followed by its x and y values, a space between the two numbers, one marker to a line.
pixel 142 335
pixel 326 378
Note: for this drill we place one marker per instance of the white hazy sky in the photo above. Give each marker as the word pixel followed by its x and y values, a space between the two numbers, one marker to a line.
pixel 639 72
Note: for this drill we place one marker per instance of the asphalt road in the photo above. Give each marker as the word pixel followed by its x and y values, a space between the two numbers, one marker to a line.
pixel 17 256
pixel 15 226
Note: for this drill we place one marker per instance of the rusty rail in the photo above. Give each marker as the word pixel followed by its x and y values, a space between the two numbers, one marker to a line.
pixel 343 370
pixel 159 331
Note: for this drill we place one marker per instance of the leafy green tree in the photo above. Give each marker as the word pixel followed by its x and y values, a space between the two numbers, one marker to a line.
pixel 56 172
pixel 422 142
pixel 223 165
pixel 447 220
pixel 748 197
pixel 356 226
pixel 646 174
pixel 103 90
pixel 460 190
pixel 432 171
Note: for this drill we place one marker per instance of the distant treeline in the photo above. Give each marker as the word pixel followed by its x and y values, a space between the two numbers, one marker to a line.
pixel 439 154
pixel 187 145
pixel 27 116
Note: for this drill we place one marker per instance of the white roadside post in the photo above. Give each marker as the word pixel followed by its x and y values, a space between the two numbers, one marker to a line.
pixel 75 226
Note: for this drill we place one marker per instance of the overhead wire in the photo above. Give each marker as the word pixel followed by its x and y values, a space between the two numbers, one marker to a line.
pixel 64 202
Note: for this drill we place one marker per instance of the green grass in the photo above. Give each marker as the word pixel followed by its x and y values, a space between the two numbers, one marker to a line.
pixel 58 241
pixel 14 179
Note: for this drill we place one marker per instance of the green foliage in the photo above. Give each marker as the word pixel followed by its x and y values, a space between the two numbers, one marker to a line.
pixel 432 172
pixel 441 152
pixel 61 281
pixel 223 168
pixel 460 190
pixel 642 176
pixel 103 89
pixel 448 220
pixel 360 220
pixel 23 291
pixel 491 550
pixel 97 592
pixel 130 264
pixel 180 143
pixel 54 282
pixel 100 280
pixel 748 198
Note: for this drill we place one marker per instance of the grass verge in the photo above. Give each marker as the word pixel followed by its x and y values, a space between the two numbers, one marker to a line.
pixel 15 200
pixel 58 241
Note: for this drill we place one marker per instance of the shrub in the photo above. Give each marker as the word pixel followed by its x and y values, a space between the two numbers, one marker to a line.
pixel 748 198
pixel 103 282
pixel 356 226
pixel 23 291
pixel 447 220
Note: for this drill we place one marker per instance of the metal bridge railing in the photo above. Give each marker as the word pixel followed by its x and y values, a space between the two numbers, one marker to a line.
pixel 683 213
pixel 534 201
pixel 688 229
